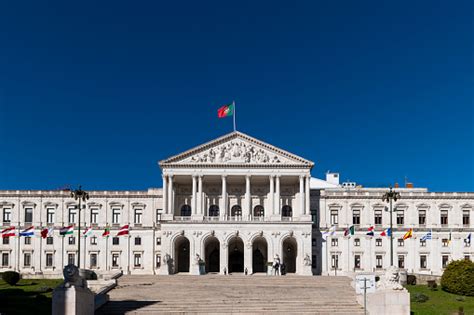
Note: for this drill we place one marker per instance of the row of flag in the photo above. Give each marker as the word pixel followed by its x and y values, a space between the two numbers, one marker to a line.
pixel 44 233
pixel 387 232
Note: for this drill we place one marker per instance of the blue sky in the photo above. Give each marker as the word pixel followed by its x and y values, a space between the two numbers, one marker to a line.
pixel 97 93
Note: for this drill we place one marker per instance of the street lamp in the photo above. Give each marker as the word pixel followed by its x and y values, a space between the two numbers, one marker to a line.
pixel 80 195
pixel 389 197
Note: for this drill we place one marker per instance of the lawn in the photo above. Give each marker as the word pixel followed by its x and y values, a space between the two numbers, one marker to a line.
pixel 440 302
pixel 27 297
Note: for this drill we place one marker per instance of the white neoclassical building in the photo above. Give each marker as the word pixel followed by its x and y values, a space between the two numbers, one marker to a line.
pixel 236 203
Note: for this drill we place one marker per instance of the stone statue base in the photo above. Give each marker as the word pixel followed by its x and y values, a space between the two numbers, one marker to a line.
pixel 388 301
pixel 74 300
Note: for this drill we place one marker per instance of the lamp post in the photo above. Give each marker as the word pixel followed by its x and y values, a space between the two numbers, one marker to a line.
pixel 389 197
pixel 80 195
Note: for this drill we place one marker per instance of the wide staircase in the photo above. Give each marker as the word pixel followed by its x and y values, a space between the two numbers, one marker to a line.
pixel 237 294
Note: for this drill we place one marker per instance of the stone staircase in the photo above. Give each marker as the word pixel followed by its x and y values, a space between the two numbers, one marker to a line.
pixel 237 294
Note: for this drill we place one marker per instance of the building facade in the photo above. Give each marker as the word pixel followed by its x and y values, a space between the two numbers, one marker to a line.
pixel 235 204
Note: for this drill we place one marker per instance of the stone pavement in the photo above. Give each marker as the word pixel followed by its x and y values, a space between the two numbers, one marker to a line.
pixel 236 294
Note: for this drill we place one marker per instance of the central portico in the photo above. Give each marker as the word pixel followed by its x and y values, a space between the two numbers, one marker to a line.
pixel 236 202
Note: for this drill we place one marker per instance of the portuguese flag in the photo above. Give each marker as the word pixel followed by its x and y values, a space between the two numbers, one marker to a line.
pixel 106 232
pixel 226 111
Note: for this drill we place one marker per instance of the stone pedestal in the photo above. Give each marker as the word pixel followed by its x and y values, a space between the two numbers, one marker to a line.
pixel 74 300
pixel 389 301
pixel 306 271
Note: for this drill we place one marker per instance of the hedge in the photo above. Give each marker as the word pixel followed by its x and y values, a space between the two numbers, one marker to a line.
pixel 458 277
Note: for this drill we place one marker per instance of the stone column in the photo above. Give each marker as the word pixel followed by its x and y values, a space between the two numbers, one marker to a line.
pixel 170 196
pixel 223 208
pixel 199 197
pixel 223 259
pixel 248 249
pixel 193 202
pixel 307 197
pixel 302 204
pixel 271 209
pixel 247 208
pixel 165 194
pixel 277 202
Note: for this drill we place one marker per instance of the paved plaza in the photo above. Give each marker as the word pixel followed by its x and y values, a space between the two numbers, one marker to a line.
pixel 236 294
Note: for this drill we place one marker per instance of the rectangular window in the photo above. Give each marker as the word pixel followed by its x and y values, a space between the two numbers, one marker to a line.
pixel 400 217
pixel 465 217
pixel 158 260
pixel 444 217
pixel 94 215
pixel 138 240
pixel 5 260
pixel 93 240
pixel 71 259
pixel 138 216
pixel 334 261
pixel 445 242
pixel 27 240
pixel 7 215
pixel 137 260
pixel 6 240
pixel 334 242
pixel 158 215
pixel 115 260
pixel 401 242
pixel 378 262
pixel 401 261
pixel 378 217
pixel 49 260
pixel 356 217
pixel 378 242
pixel 72 240
pixel 28 215
pixel 93 260
pixel 334 217
pixel 422 243
pixel 115 241
pixel 423 262
pixel 357 242
pixel 444 261
pixel 50 215
pixel 49 240
pixel 467 257
pixel 27 259
pixel 356 261
pixel 72 215
pixel 158 241
pixel 116 215
pixel 422 217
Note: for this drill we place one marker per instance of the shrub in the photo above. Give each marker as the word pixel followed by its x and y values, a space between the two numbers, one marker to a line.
pixel 458 278
pixel 411 279
pixel 420 298
pixel 432 285
pixel 11 277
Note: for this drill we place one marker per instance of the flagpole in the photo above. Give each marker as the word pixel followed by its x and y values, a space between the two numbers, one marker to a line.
pixel 85 250
pixel 41 244
pixel 233 105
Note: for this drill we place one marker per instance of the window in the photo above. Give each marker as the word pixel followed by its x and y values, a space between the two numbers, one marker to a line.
pixel 445 242
pixel 423 262
pixel 214 211
pixel 93 260
pixel 158 215
pixel 186 211
pixel 401 261
pixel 71 259
pixel 467 257
pixel 444 217
pixel 334 217
pixel 27 240
pixel 357 242
pixel 50 215
pixel 378 242
pixel 334 242
pixel 49 240
pixel 93 240
pixel 138 216
pixel 355 216
pixel 334 261
pixel 115 241
pixel 5 260
pixel 258 211
pixel 7 215
pixel 378 217
pixel 72 215
pixel 115 260
pixel 158 241
pixel 356 261
pixel 28 215
pixel 137 260
pixel 287 212
pixel 314 216
pixel 422 243
pixel 401 242
pixel 115 215
pixel 71 240
pixel 94 215
pixel 138 240
pixel 400 217
pixel 27 259
pixel 158 260
pixel 465 217
pixel 6 240
pixel 378 262
pixel 49 260
pixel 422 217
pixel 444 261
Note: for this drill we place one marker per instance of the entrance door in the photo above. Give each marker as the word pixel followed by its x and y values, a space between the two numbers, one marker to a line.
pixel 182 255
pixel 212 254
pixel 236 255
pixel 289 254
pixel 259 255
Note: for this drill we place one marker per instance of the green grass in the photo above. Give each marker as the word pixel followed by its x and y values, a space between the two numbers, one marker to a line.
pixel 440 302
pixel 27 296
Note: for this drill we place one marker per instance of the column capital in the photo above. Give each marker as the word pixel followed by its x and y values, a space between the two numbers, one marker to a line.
pixel 248 176
pixel 224 175
pixel 271 176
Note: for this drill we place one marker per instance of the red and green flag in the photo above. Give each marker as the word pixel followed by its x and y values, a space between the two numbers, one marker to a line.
pixel 226 111
pixel 349 231
pixel 106 232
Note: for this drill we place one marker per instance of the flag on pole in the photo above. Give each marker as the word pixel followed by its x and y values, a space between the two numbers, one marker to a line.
pixel 87 232
pixel 226 111
pixel 349 231
pixel 408 234
pixel 65 230
pixel 386 232
pixel 427 236
pixel 370 231
pixel 330 232
pixel 106 232
pixel 46 232
pixel 449 240
pixel 467 240
pixel 8 232
pixel 28 232
pixel 123 230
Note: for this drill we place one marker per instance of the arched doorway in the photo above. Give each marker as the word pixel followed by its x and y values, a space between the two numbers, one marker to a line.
pixel 181 263
pixel 259 255
pixel 236 255
pixel 186 211
pixel 290 251
pixel 214 211
pixel 258 211
pixel 212 254
pixel 236 211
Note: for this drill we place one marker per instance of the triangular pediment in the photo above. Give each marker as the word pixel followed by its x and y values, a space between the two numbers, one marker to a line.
pixel 236 149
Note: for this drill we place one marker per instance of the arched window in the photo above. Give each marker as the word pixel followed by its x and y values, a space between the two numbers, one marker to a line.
pixel 213 211
pixel 258 211
pixel 186 211
pixel 236 211
pixel 286 211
